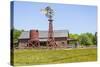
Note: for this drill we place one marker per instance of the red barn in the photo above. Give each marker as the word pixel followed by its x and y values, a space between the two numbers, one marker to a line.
pixel 61 37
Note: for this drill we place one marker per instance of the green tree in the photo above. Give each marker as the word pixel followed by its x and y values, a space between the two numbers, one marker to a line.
pixel 16 34
pixel 95 39
pixel 73 36
pixel 84 39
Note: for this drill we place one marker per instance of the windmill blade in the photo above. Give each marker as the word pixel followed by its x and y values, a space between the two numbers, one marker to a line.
pixel 43 11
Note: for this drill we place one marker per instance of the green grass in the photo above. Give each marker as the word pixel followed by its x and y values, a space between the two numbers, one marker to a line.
pixel 44 56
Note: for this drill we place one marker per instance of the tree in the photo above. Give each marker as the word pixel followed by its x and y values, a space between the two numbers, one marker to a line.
pixel 84 39
pixel 95 39
pixel 73 36
pixel 16 34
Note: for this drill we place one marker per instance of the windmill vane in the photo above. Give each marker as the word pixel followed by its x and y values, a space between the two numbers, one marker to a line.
pixel 49 12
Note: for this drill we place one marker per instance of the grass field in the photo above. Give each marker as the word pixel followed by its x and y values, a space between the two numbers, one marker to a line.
pixel 44 56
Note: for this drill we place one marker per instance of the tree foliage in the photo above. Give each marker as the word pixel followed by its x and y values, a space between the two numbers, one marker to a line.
pixel 74 36
pixel 84 38
pixel 16 34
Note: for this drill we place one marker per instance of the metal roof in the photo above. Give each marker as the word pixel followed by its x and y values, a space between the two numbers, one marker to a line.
pixel 24 35
pixel 44 34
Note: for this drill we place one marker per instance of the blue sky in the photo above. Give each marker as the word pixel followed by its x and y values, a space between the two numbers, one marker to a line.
pixel 75 18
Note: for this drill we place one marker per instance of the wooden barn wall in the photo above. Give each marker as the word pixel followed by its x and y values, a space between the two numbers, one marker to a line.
pixel 59 40
pixel 23 43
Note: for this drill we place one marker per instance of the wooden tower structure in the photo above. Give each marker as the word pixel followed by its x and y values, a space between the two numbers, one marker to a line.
pixel 34 39
pixel 51 40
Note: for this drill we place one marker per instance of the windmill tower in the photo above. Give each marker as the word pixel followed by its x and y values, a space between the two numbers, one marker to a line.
pixel 51 40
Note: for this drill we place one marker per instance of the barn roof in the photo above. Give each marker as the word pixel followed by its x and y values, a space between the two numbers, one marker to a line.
pixel 44 34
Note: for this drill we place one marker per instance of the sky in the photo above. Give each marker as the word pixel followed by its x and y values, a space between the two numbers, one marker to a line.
pixel 75 18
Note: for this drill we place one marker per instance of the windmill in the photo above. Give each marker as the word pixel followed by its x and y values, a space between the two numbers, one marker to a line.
pixel 49 14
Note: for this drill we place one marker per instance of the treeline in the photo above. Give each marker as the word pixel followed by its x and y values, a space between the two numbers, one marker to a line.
pixel 84 38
